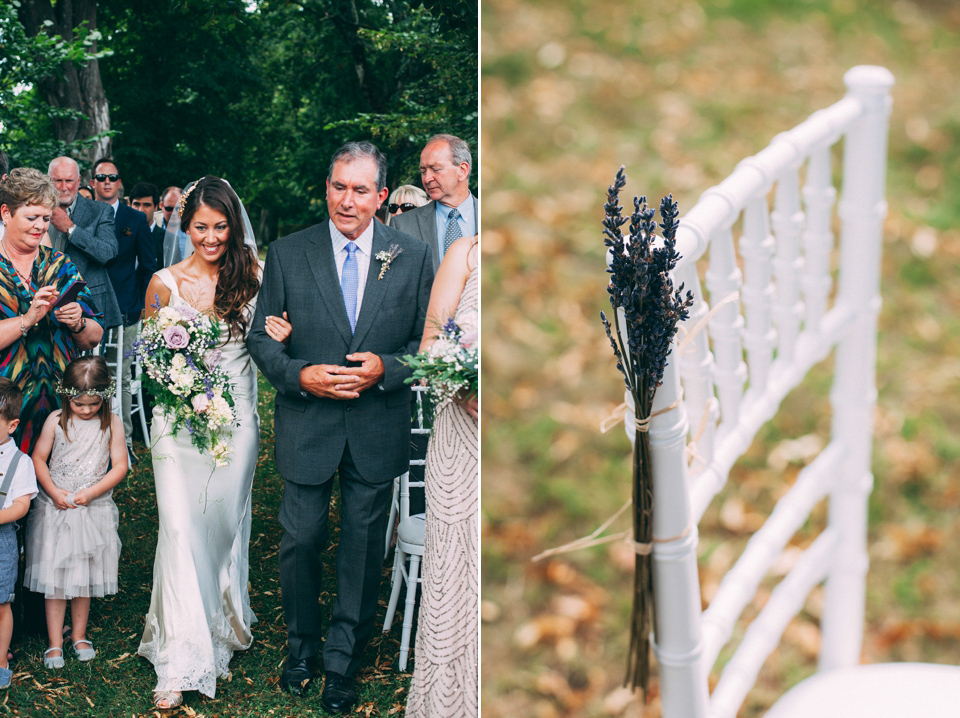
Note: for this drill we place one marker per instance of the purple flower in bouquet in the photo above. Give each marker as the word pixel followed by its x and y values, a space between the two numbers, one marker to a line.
pixel 212 358
pixel 450 328
pixel 186 311
pixel 176 337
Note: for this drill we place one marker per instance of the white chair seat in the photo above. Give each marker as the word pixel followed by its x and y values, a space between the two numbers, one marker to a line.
pixel 410 532
pixel 879 690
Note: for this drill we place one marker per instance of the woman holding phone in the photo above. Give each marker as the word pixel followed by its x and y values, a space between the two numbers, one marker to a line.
pixel 39 333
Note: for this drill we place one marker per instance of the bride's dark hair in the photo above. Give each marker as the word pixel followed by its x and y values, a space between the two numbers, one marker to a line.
pixel 237 280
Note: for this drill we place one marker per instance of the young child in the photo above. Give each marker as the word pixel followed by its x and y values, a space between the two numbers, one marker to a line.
pixel 72 542
pixel 18 485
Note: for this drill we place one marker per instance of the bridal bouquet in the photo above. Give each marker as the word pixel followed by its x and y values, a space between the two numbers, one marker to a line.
pixel 178 352
pixel 449 365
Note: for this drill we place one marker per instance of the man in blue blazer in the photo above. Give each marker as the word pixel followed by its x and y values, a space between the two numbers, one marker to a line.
pixel 130 271
pixel 356 293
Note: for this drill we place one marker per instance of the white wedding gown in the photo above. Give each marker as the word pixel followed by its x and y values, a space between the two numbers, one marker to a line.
pixel 200 607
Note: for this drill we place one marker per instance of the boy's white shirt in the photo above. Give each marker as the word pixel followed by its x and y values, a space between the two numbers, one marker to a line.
pixel 25 481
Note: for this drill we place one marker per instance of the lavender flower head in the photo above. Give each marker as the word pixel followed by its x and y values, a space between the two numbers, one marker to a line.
pixel 641 285
pixel 450 327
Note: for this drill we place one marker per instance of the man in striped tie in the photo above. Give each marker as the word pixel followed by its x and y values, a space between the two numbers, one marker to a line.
pixel 445 166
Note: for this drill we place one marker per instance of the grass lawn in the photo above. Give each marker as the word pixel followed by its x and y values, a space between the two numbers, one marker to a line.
pixel 120 683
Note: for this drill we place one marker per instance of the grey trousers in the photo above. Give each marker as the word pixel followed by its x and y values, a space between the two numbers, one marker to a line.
pixel 304 513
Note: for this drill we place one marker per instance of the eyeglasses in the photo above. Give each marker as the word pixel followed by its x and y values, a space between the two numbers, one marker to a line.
pixel 104 178
pixel 406 207
pixel 170 208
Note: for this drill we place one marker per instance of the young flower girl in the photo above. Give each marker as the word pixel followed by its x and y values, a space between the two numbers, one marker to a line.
pixel 72 542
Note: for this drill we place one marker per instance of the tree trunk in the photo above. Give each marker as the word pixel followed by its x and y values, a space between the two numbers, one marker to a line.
pixel 78 87
pixel 267 229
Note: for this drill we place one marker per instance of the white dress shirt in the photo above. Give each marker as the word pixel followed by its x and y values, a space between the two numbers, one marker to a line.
pixel 364 247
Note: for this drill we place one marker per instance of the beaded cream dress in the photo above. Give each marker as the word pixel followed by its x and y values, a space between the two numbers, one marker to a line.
pixel 75 552
pixel 446 651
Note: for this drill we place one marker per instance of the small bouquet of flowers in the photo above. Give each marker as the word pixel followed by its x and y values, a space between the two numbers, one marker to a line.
pixel 449 365
pixel 178 352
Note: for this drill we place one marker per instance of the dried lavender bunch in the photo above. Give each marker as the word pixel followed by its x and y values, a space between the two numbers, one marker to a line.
pixel 641 286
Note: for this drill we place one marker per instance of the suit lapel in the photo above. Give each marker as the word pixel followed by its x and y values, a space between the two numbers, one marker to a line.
pixel 374 289
pixel 80 211
pixel 428 229
pixel 320 258
pixel 428 224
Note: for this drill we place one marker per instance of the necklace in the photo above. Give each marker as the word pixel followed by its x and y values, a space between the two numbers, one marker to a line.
pixel 26 280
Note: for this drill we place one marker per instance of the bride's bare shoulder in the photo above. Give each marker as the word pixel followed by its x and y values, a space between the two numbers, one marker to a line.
pixel 158 294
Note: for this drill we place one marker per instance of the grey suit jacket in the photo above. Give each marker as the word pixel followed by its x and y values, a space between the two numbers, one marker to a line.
pixel 300 278
pixel 93 244
pixel 422 223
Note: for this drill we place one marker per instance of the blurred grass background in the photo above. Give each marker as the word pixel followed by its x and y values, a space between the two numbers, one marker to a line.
pixel 679 92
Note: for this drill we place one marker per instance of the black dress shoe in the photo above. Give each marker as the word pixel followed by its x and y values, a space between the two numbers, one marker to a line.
pixel 296 676
pixel 338 694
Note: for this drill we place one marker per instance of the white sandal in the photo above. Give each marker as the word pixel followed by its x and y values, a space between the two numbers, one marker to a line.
pixel 53 661
pixel 84 654
pixel 173 699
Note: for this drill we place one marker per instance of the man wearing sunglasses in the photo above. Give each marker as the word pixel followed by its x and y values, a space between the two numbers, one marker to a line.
pixel 445 165
pixel 173 252
pixel 83 230
pixel 168 203
pixel 130 271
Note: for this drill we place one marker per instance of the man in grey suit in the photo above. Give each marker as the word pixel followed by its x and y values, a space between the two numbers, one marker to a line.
pixel 342 406
pixel 445 165
pixel 83 230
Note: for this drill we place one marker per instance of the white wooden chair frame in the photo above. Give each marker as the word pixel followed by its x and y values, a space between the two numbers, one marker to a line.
pixel 788 324
pixel 419 429
pixel 113 340
pixel 410 540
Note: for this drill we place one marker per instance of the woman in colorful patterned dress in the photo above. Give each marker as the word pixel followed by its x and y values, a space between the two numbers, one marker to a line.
pixel 36 340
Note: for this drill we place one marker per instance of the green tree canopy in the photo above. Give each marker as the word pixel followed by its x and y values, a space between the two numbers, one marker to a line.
pixel 262 94
pixel 28 120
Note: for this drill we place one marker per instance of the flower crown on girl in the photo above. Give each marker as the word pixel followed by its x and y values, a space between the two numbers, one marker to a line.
pixel 72 392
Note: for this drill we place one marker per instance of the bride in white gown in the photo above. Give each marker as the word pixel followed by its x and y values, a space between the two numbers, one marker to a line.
pixel 199 607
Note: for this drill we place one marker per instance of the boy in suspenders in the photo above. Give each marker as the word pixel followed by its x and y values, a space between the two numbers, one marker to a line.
pixel 18 485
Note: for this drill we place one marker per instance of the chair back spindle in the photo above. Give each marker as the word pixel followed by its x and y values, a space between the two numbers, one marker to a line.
pixel 777 312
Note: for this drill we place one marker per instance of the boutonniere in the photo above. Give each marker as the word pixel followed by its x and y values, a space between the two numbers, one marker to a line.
pixel 386 258
pixel 126 232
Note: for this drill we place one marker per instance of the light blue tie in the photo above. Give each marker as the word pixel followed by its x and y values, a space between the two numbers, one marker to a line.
pixel 453 231
pixel 348 284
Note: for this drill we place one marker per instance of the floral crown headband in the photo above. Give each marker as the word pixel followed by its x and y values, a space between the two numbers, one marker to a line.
pixel 183 198
pixel 72 392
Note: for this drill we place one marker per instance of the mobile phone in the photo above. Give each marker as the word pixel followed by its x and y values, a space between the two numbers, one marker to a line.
pixel 71 294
